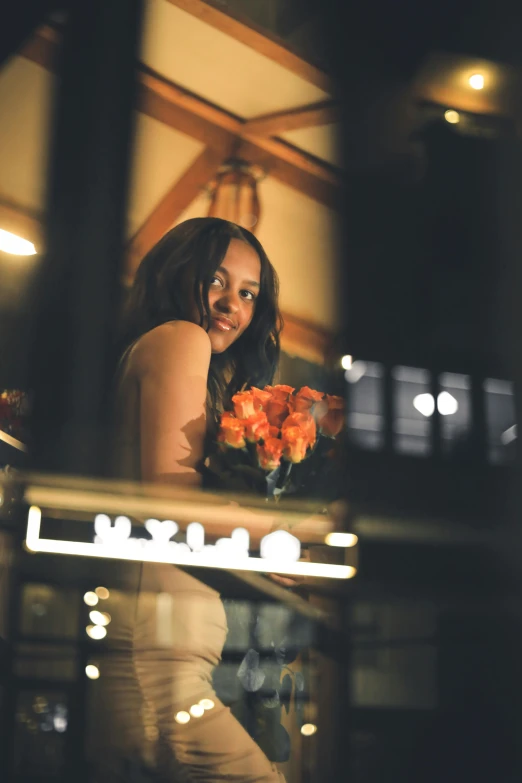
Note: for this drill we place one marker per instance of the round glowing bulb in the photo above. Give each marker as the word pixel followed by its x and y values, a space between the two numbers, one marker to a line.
pixel 99 618
pixel 102 593
pixel 447 405
pixel 341 539
pixel 452 116
pixel 308 729
pixel 207 704
pixel 16 246
pixel 425 404
pixel 197 710
pixel 182 717
pixel 476 81
pixel 90 598
pixel 346 362
pixel 96 631
pixel 92 672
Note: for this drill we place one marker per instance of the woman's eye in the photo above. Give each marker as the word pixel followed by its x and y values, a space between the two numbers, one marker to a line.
pixel 215 281
pixel 249 296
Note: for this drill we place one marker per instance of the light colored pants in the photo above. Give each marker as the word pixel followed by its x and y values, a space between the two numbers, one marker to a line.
pixel 167 641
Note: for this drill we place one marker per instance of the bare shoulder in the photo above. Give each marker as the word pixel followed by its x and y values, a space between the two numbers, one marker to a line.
pixel 171 346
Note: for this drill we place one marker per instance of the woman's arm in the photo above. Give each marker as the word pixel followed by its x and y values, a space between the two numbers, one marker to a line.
pixel 171 363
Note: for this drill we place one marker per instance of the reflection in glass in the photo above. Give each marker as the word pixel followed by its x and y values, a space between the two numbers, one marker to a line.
pixel 413 407
pixel 500 420
pixel 45 662
pixel 96 632
pixel 90 598
pixel 455 420
pixel 394 656
pixel 365 418
pixel 49 611
pixel 41 723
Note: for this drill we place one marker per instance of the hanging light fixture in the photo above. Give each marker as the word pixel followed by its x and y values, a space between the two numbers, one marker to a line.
pixel 233 194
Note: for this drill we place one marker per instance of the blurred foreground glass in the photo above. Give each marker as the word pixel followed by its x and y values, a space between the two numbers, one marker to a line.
pixel 501 425
pixel 365 415
pixel 413 407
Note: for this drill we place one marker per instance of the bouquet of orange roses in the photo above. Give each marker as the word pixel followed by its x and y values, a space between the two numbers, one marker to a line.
pixel 272 430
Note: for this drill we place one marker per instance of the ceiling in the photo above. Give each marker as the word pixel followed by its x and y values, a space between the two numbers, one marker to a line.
pixel 210 85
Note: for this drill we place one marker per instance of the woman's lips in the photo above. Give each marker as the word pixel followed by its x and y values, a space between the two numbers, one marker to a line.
pixel 223 324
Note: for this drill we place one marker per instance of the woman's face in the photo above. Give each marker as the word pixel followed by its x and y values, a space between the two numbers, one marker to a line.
pixel 232 295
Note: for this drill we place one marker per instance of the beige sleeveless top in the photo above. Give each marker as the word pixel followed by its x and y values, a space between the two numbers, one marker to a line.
pixel 126 460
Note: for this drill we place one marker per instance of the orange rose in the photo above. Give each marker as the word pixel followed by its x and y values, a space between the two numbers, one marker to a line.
pixel 261 398
pixel 257 427
pixel 295 444
pixel 304 421
pixel 277 411
pixel 269 454
pixel 331 423
pixel 306 398
pixel 274 432
pixel 244 404
pixel 280 392
pixel 231 432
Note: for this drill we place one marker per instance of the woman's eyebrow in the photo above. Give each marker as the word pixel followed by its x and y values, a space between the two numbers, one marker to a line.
pixel 224 271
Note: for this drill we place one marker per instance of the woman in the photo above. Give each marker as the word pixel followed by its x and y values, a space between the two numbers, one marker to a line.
pixel 202 323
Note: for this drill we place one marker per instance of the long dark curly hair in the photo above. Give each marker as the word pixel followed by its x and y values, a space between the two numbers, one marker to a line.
pixel 177 273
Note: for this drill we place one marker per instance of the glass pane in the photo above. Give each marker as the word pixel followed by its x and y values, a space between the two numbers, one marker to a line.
pixel 6 557
pixel 413 407
pixel 45 662
pixel 500 420
pixel 454 406
pixel 49 611
pixel 394 662
pixel 365 417
pixel 39 743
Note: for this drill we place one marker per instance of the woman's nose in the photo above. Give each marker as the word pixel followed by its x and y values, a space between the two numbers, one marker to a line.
pixel 229 302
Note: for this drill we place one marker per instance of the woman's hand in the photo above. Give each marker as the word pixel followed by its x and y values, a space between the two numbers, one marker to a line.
pixel 291 581
pixel 338 512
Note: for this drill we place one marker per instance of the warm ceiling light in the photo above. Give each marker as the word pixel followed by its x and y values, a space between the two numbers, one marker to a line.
pixel 307 729
pixel 10 243
pixel 476 81
pixel 182 717
pixel 96 631
pixel 197 710
pixel 234 194
pixel 207 704
pixel 90 598
pixel 346 362
pixel 92 672
pixel 99 618
pixel 425 404
pixel 452 116
pixel 102 593
pixel 447 405
pixel 341 539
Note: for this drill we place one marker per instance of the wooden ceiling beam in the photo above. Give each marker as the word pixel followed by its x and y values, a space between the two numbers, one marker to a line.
pixel 215 128
pixel 255 37
pixel 305 182
pixel 184 99
pixel 325 113
pixel 154 104
pixel 171 206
